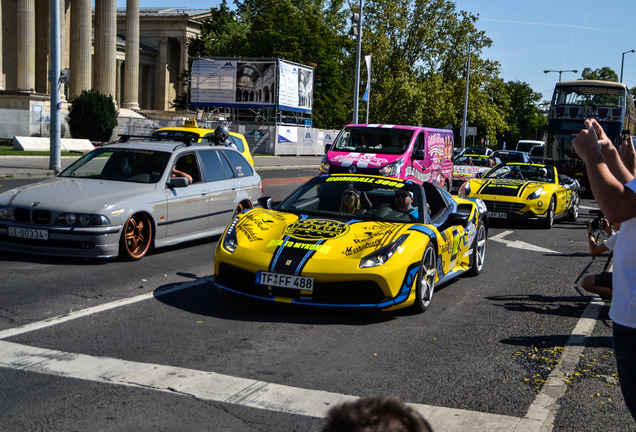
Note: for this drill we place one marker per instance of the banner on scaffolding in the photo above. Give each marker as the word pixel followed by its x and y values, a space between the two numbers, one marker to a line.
pixel 251 84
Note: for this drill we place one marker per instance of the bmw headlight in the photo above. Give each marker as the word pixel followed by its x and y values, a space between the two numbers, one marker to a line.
pixel 324 165
pixel 5 213
pixel 382 255
pixel 393 168
pixel 536 194
pixel 82 219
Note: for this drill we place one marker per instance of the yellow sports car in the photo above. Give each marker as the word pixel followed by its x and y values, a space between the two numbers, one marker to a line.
pixel 526 191
pixel 346 240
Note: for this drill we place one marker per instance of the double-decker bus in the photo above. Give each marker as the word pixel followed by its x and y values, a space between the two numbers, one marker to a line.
pixel 610 103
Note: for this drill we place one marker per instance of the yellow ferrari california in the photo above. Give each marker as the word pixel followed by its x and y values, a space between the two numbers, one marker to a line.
pixel 529 191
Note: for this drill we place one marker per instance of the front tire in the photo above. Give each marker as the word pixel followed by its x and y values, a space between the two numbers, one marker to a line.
pixel 574 211
pixel 479 250
pixel 426 280
pixel 137 237
pixel 549 217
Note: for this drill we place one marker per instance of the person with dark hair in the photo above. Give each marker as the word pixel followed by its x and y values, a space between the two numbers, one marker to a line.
pixel 404 204
pixel 614 187
pixel 375 414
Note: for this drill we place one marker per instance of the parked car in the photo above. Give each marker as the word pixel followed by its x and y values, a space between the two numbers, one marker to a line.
pixel 537 153
pixel 197 134
pixel 476 150
pixel 121 200
pixel 316 249
pixel 524 191
pixel 403 152
pixel 526 145
pixel 469 166
pixel 512 156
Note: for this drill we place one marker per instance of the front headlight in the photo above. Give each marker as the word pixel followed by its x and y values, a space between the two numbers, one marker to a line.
pixel 5 213
pixel 230 243
pixel 324 165
pixel 382 255
pixel 82 219
pixel 464 190
pixel 536 194
pixel 392 169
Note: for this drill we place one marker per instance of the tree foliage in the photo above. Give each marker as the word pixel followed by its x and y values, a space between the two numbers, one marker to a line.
pixel 419 50
pixel 92 115
pixel 525 118
pixel 603 74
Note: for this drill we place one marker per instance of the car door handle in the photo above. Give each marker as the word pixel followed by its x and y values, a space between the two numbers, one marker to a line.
pixel 204 192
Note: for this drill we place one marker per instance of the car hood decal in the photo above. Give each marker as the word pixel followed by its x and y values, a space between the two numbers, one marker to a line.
pixel 503 187
pixel 293 240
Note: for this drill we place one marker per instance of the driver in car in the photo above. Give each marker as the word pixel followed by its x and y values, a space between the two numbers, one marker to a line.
pixel 404 204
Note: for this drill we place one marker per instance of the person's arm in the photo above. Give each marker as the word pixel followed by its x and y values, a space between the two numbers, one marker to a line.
pixel 628 155
pixel 616 201
pixel 178 173
pixel 595 249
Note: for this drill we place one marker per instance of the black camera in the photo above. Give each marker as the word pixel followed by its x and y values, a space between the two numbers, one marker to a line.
pixel 599 222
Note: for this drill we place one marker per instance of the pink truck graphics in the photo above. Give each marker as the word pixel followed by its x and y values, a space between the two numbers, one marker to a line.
pixel 406 152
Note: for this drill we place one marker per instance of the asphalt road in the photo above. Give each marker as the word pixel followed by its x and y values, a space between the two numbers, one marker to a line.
pixel 151 345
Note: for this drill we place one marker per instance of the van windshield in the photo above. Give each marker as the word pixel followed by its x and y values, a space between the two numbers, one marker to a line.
pixel 373 140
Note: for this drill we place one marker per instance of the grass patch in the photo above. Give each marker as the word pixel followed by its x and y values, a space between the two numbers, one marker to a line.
pixel 6 149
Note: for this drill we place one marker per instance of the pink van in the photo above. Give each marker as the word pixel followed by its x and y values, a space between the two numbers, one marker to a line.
pixel 405 152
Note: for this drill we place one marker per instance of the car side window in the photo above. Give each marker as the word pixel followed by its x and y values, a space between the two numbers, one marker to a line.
pixel 239 165
pixel 213 166
pixel 187 163
pixel 238 142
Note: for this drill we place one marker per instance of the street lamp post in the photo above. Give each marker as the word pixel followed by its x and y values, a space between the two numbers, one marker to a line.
pixel 487 41
pixel 356 90
pixel 623 61
pixel 561 71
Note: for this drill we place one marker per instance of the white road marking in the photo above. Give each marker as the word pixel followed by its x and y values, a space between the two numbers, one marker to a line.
pixel 263 395
pixel 518 244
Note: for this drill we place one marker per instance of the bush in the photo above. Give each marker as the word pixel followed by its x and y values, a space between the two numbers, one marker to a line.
pixel 92 115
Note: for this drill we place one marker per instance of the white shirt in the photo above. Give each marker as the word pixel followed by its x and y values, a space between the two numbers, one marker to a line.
pixel 623 309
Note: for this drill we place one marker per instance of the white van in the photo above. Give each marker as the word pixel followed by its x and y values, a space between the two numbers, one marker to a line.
pixel 526 145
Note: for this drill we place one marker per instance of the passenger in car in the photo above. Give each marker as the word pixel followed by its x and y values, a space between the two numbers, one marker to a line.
pixel 350 202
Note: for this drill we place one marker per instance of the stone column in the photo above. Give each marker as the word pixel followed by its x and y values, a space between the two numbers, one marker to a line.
pixel 131 76
pixel 26 45
pixel 108 38
pixel 183 65
pixel 162 75
pixel 118 90
pixel 2 73
pixel 81 45
pixel 98 47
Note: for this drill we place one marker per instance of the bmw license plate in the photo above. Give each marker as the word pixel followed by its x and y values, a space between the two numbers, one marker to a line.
pixel 285 281
pixel 498 215
pixel 29 233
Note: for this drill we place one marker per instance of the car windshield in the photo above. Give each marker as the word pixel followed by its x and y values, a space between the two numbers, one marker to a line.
pixel 121 164
pixel 176 135
pixel 348 197
pixel 373 140
pixel 532 172
pixel 510 156
pixel 472 160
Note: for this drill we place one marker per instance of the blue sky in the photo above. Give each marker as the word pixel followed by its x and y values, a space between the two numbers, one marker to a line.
pixel 532 36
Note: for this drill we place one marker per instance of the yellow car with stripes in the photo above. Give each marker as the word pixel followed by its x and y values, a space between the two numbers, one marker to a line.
pixel 353 241
pixel 526 191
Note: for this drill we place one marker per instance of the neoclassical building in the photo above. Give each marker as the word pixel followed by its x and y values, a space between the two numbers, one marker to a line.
pixel 136 55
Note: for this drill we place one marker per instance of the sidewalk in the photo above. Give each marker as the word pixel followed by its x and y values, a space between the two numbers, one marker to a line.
pixel 38 166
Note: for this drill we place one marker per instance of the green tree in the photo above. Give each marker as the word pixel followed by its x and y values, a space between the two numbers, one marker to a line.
pixel 92 115
pixel 224 34
pixel 525 117
pixel 602 74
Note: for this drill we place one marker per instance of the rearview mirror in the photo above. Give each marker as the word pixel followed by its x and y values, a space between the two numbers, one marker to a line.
pixel 178 182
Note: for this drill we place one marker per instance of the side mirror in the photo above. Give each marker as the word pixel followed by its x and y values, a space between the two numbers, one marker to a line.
pixel 178 182
pixel 479 175
pixel 265 202
pixel 327 147
pixel 454 219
